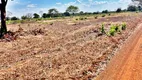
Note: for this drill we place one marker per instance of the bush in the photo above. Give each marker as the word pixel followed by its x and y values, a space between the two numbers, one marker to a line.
pixel 76 19
pixel 109 14
pixel 96 17
pixel 102 29
pixel 112 32
pixel 103 15
pixel 124 26
pixel 81 18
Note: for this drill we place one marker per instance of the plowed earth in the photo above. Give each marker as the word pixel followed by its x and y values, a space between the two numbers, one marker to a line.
pixel 64 50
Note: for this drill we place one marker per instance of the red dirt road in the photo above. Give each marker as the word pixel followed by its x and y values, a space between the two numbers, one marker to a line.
pixel 127 64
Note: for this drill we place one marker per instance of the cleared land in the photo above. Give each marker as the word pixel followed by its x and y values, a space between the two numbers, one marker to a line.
pixel 63 50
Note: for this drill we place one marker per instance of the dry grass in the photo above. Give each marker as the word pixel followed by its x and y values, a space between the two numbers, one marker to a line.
pixel 60 51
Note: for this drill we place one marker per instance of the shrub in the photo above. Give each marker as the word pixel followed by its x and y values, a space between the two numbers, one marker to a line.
pixel 124 26
pixel 81 18
pixel 109 14
pixel 112 32
pixel 115 27
pixel 76 19
pixel 85 18
pixel 51 23
pixel 103 15
pixel 102 29
pixel 96 17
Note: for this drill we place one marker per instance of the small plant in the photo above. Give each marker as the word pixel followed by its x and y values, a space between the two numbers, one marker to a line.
pixel 96 17
pixel 112 32
pixel 85 18
pixel 81 18
pixel 124 26
pixel 103 15
pixel 51 23
pixel 116 27
pixel 109 14
pixel 76 19
pixel 102 29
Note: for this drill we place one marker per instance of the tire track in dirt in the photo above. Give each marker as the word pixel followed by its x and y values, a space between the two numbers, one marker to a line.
pixel 127 65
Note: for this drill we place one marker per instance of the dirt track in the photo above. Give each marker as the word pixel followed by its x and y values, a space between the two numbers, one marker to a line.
pixel 127 64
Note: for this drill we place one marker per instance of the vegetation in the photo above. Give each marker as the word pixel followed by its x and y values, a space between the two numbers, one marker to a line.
pixel 72 9
pixel 36 15
pixel 102 29
pixel 132 8
pixel 124 26
pixel 118 10
pixel 103 15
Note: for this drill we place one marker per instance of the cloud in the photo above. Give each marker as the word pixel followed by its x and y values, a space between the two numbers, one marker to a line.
pixel 59 3
pixel 31 5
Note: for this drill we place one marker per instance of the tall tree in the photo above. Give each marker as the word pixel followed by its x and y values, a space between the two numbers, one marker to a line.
pixel 72 9
pixel 3 17
pixel 36 15
pixel 53 12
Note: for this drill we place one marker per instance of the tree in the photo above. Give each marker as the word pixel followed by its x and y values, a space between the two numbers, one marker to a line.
pixel 66 14
pixel 3 17
pixel 14 18
pixel 118 10
pixel 36 15
pixel 132 8
pixel 81 13
pixel 53 12
pixel 105 11
pixel 24 17
pixel 72 9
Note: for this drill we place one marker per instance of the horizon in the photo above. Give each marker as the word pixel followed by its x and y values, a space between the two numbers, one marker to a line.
pixel 19 8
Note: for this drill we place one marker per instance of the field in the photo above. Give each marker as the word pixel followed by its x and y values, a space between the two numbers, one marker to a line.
pixel 63 49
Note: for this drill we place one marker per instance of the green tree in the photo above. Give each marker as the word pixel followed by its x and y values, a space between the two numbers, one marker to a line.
pixel 105 11
pixel 132 8
pixel 36 15
pixel 24 17
pixel 72 9
pixel 118 10
pixel 14 18
pixel 53 12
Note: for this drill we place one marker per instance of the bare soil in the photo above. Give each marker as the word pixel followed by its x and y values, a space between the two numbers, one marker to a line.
pixel 65 50
pixel 127 64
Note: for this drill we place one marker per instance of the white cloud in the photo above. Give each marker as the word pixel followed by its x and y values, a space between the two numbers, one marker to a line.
pixel 59 3
pixel 31 5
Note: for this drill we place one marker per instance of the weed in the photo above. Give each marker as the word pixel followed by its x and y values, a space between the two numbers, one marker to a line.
pixel 112 32
pixel 124 26
pixel 102 29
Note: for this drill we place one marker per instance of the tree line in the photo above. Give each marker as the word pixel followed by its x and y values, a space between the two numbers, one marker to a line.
pixel 72 11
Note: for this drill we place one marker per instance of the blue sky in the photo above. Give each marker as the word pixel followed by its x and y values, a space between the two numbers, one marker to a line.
pixel 22 7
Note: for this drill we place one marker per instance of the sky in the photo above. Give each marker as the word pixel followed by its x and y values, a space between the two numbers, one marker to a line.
pixel 22 7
